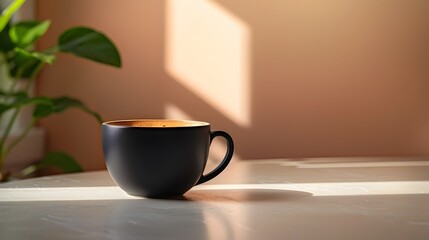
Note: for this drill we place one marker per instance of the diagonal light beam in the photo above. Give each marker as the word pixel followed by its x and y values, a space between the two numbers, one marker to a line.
pixel 207 50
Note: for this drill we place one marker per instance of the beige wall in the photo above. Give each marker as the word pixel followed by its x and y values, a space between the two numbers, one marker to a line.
pixel 320 78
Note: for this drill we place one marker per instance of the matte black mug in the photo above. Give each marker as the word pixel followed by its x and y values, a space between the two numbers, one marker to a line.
pixel 160 158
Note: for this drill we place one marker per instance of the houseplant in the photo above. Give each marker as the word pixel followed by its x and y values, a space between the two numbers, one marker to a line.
pixel 23 63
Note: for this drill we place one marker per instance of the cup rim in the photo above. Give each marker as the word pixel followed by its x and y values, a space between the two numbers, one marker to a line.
pixel 116 123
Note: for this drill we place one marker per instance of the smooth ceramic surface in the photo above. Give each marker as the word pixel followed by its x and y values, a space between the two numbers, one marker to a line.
pixel 337 198
pixel 160 158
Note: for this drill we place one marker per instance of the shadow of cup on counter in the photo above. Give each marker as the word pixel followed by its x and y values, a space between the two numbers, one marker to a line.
pixel 160 158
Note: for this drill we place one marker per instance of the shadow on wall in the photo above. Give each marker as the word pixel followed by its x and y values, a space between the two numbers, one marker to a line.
pixel 285 78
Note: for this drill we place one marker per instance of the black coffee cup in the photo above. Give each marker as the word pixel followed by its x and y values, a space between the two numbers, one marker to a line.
pixel 160 158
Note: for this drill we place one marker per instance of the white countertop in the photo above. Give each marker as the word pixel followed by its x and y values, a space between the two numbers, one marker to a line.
pixel 327 198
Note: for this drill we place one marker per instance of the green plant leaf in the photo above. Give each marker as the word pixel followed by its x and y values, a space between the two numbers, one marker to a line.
pixel 60 160
pixel 25 64
pixel 24 67
pixel 24 34
pixel 15 94
pixel 6 44
pixel 88 43
pixel 21 99
pixel 58 105
pixel 8 12
pixel 33 100
pixel 43 57
pixel 4 108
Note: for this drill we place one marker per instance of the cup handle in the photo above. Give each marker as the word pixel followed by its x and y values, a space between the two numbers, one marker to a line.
pixel 226 159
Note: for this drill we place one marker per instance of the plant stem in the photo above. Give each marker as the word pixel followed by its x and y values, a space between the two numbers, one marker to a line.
pixel 1 162
pixel 52 50
pixel 11 90
pixel 9 128
pixel 3 152
pixel 12 119
pixel 20 137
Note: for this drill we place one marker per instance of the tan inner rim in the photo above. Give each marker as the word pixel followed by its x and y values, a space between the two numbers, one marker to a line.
pixel 157 123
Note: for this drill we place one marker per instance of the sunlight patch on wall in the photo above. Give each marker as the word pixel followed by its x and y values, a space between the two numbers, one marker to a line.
pixel 207 49
pixel 171 111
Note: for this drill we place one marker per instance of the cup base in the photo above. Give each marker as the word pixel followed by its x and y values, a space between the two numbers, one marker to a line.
pixel 158 196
